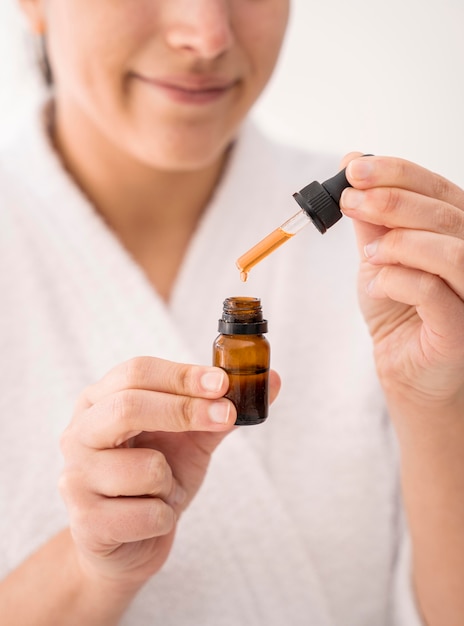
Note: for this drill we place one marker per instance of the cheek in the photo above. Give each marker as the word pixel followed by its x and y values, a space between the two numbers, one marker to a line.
pixel 90 47
pixel 262 35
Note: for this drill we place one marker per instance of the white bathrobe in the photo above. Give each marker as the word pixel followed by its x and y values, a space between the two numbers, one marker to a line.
pixel 299 520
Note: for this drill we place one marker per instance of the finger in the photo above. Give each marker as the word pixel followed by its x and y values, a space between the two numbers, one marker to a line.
pixel 110 522
pixel 275 384
pixel 128 472
pixel 379 171
pixel 125 414
pixel 158 375
pixel 429 252
pixel 441 310
pixel 364 231
pixel 350 157
pixel 393 207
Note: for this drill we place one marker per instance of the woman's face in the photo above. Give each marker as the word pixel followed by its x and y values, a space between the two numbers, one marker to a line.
pixel 167 81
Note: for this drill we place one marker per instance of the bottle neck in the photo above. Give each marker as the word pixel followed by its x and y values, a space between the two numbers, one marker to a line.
pixel 242 316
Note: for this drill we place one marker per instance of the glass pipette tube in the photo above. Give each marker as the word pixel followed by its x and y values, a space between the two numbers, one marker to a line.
pixel 319 204
pixel 270 243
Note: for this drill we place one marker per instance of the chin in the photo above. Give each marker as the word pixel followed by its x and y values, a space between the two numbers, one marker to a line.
pixel 185 162
pixel 183 155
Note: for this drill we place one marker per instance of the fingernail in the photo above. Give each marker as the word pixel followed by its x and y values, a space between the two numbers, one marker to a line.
pixel 212 380
pixel 219 411
pixel 180 495
pixel 177 496
pixel 360 169
pixel 371 248
pixel 352 198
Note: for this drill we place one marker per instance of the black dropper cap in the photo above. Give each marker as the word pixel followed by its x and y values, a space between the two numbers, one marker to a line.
pixel 321 201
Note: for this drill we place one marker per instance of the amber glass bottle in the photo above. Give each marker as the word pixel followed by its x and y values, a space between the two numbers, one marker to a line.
pixel 244 353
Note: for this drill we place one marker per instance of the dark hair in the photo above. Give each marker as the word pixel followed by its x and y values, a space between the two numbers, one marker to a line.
pixel 44 63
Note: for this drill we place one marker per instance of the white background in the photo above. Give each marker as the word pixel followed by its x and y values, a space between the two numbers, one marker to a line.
pixel 381 76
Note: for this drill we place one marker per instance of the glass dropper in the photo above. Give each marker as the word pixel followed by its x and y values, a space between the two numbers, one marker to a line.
pixel 270 243
pixel 319 204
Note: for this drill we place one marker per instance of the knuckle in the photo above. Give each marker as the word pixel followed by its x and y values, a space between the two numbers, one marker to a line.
pixel 85 398
pixel 188 412
pixel 449 221
pixel 70 440
pixel 161 517
pixel 440 186
pixel 181 413
pixel 401 169
pixel 430 287
pixel 72 490
pixel 186 377
pixel 158 471
pixel 124 404
pixel 136 370
pixel 391 200
pixel 396 238
pixel 84 523
pixel 92 523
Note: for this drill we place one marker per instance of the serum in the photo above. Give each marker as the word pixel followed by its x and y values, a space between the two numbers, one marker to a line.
pixel 319 204
pixel 244 353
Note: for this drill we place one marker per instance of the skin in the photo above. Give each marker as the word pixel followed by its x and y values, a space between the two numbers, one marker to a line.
pixel 410 229
pixel 153 177
pixel 151 181
pixel 105 79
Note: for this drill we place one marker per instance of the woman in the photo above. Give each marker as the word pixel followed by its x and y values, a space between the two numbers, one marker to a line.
pixel 123 211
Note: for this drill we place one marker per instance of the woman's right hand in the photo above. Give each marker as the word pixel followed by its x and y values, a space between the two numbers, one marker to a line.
pixel 136 452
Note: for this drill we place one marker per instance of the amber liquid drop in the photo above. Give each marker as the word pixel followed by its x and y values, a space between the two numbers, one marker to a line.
pixel 260 251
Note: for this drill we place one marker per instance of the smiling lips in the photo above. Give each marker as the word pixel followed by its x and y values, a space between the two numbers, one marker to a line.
pixel 191 89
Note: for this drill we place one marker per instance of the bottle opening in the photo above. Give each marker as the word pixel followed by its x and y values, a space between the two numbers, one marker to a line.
pixel 242 316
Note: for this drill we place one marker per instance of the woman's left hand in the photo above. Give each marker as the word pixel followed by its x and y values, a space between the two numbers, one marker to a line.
pixel 410 228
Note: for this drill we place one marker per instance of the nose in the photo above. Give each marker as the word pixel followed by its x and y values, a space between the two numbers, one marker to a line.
pixel 202 28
